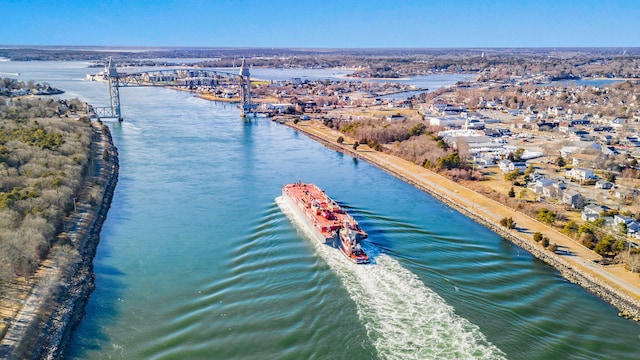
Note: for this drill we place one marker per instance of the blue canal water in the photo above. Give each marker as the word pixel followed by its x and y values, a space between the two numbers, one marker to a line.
pixel 197 260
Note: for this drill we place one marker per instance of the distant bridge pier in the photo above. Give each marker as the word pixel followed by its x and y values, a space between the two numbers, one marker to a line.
pixel 245 90
pixel 114 91
pixel 112 111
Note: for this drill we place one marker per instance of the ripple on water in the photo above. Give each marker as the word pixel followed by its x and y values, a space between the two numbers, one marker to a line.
pixel 404 319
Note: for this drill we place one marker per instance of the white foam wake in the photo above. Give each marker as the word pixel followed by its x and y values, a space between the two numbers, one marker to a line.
pixel 404 318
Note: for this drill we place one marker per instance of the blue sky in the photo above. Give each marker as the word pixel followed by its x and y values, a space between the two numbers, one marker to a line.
pixel 322 24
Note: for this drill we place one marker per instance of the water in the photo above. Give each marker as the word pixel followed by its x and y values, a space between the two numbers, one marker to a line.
pixel 197 261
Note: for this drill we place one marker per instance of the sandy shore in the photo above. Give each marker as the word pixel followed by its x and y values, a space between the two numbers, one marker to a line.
pixel 613 284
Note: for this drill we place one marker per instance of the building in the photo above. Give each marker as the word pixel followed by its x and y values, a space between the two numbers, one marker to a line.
pixel 604 184
pixel 508 166
pixel 450 122
pixel 581 174
pixel 592 212
pixel 572 198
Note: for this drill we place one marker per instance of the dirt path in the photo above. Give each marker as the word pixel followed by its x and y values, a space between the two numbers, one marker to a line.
pixel 482 207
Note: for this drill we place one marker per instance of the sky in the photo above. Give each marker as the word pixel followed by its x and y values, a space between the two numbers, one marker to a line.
pixel 322 24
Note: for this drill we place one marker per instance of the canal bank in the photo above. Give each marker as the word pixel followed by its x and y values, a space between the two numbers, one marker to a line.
pixel 65 280
pixel 578 266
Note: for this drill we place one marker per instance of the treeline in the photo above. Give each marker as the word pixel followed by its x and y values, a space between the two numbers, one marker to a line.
pixel 617 99
pixel 411 140
pixel 43 159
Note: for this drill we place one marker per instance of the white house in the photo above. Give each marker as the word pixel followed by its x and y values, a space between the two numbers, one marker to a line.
pixel 581 174
pixel 508 166
pixel 448 121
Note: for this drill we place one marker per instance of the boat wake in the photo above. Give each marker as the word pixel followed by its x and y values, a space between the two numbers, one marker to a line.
pixel 404 319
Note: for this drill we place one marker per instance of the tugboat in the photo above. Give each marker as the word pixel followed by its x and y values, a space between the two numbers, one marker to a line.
pixel 329 222
pixel 350 246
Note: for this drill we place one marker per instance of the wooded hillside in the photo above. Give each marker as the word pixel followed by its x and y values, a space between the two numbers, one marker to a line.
pixel 43 158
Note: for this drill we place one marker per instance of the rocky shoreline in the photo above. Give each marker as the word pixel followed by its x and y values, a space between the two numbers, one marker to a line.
pixel 44 326
pixel 627 305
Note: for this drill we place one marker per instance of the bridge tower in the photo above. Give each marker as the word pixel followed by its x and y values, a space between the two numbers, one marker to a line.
pixel 245 89
pixel 114 90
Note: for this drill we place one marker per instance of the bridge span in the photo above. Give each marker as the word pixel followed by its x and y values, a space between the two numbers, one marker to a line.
pixel 233 84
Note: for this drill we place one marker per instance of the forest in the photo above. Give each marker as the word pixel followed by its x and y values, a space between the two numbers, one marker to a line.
pixel 44 155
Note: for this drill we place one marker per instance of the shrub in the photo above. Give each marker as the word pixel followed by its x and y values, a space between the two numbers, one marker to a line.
pixel 508 223
pixel 544 242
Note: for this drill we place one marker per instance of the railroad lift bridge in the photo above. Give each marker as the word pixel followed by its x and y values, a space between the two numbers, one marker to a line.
pixel 185 78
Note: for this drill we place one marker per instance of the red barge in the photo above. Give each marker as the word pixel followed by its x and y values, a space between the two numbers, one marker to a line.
pixel 330 223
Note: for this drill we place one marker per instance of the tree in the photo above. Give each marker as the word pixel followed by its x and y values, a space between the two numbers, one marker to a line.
pixel 355 145
pixel 537 237
pixel 622 228
pixel 418 129
pixel 546 216
pixel 508 223
pixel 560 161
pixel 570 228
pixel 512 192
pixel 604 246
pixel 588 240
pixel 449 162
pixel 517 155
pixel 340 140
pixel 611 177
pixel 512 175
pixel 544 242
pixel 529 171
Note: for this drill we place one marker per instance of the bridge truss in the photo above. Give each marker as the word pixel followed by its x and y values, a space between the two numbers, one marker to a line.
pixel 189 78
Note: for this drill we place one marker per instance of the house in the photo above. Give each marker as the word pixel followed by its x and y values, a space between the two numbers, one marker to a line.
pixel 630 223
pixel 581 174
pixel 555 110
pixel 580 135
pixel 539 184
pixel 553 190
pixel 508 166
pixel 452 122
pixel 592 212
pixel 603 184
pixel 544 126
pixel 565 126
pixel 572 198
pixel 584 160
pixel 617 122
